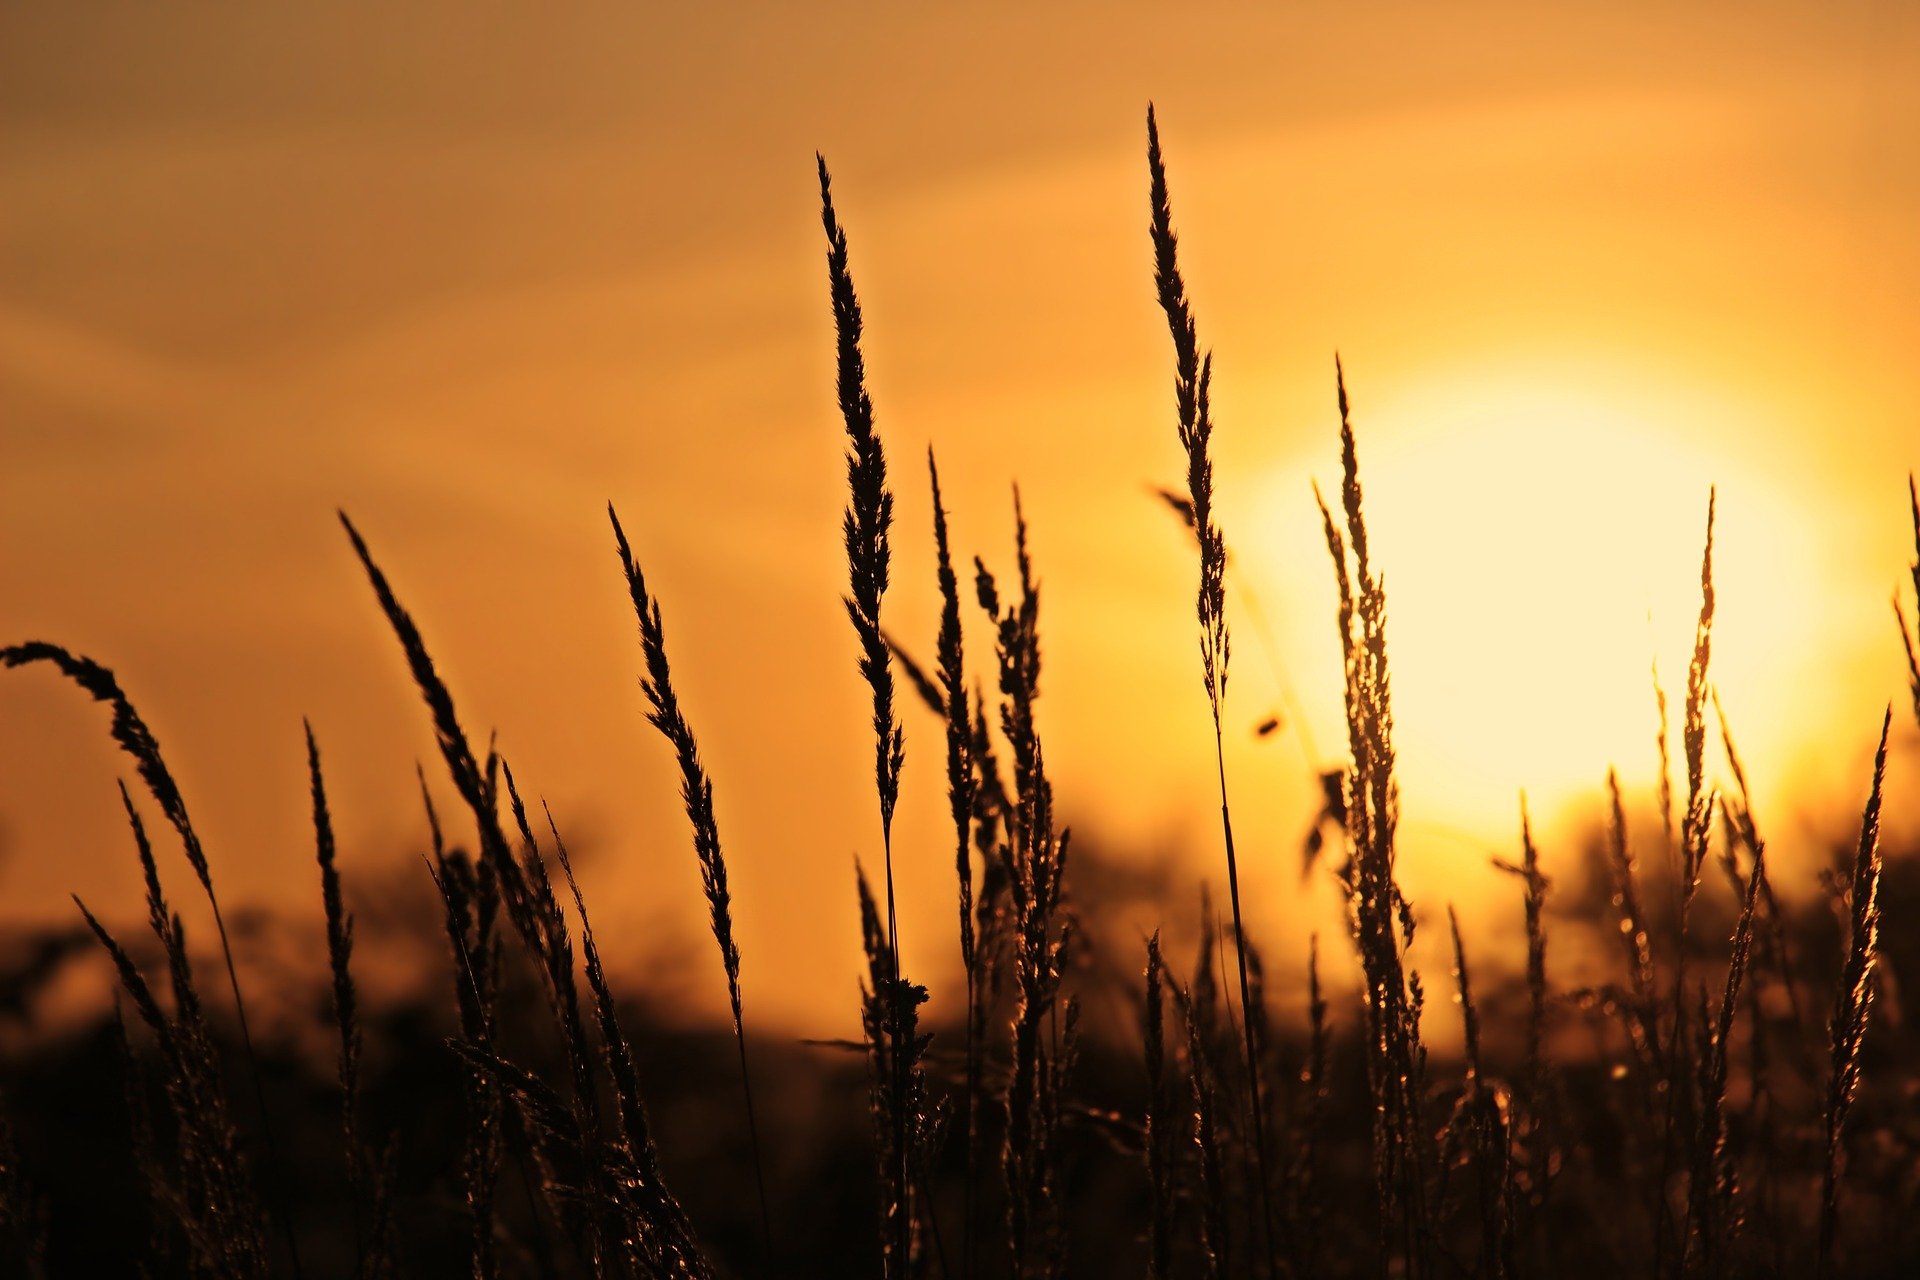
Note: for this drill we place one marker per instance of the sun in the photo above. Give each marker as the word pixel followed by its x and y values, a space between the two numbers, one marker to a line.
pixel 1541 545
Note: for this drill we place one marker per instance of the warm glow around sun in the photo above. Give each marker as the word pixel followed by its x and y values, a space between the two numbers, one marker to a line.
pixel 1540 539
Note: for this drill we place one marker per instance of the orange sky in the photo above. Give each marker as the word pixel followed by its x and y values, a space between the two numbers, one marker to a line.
pixel 470 274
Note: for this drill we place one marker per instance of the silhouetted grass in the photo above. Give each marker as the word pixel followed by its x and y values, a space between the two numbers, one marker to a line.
pixel 1678 1117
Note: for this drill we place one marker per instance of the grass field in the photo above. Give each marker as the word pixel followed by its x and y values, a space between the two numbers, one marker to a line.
pixel 1737 1099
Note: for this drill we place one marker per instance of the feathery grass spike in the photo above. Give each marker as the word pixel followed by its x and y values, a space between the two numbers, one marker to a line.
pixel 696 794
pixel 1853 1000
pixel 345 999
pixel 950 698
pixel 867 529
pixel 1193 375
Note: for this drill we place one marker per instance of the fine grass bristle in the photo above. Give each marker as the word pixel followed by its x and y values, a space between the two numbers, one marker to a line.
pixel 696 795
pixel 1853 1000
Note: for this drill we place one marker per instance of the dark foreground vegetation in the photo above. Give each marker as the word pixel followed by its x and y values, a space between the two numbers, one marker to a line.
pixel 1738 1100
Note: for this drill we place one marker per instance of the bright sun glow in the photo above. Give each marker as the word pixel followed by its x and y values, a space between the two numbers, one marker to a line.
pixel 1541 549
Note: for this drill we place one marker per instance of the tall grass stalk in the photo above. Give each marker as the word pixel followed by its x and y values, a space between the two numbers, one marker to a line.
pixel 867 529
pixel 1193 375
pixel 1381 918
pixel 696 794
pixel 1040 933
pixel 366 1186
pixel 961 789
pixel 1539 1142
pixel 1853 1000
pixel 1696 830
pixel 1712 1224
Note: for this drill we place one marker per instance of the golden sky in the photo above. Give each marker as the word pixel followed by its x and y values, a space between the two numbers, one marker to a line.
pixel 469 272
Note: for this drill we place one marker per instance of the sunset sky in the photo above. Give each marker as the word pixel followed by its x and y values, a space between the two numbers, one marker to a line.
pixel 468 274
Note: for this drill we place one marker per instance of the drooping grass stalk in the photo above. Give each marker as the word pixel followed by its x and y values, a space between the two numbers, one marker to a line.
pixel 1381 918
pixel 137 740
pixel 696 794
pixel 369 1254
pixel 1853 1001
pixel 867 529
pixel 1909 642
pixel 1193 374
pixel 961 788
